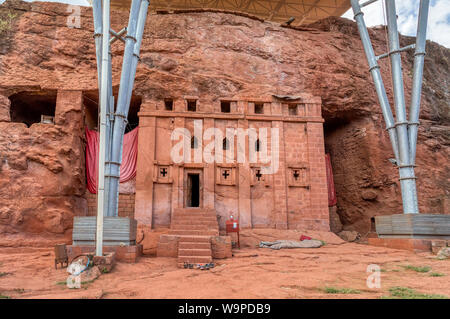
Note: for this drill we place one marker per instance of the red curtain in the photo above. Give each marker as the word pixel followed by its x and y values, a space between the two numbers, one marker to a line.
pixel 129 158
pixel 332 199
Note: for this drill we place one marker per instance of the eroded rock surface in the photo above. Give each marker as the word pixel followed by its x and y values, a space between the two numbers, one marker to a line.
pixel 42 178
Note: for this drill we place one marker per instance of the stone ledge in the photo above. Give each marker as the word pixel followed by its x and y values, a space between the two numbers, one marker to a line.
pixel 411 244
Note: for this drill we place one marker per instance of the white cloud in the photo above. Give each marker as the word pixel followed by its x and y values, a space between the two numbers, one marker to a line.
pixel 407 11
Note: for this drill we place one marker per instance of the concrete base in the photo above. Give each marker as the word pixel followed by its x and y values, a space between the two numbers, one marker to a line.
pixel 411 244
pixel 128 254
pixel 413 226
pixel 116 231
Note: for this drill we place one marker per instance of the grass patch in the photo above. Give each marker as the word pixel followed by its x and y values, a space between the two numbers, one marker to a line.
pixel 437 274
pixel 3 274
pixel 61 283
pixel 418 268
pixel 334 290
pixel 408 293
pixel 19 290
pixel 4 297
pixel 105 270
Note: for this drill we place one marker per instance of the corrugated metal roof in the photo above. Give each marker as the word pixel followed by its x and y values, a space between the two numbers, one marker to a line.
pixel 304 11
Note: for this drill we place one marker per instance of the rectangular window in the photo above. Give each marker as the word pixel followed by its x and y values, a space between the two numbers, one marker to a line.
pixel 259 108
pixel 168 104
pixel 293 109
pixel 192 105
pixel 225 107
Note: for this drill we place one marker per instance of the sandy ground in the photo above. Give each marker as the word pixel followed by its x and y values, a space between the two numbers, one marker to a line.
pixel 251 273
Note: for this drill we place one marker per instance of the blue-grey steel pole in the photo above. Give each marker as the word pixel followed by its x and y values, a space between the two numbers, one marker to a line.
pixel 419 57
pixel 376 75
pixel 137 48
pixel 109 125
pixel 98 36
pixel 120 117
pixel 406 169
pixel 104 105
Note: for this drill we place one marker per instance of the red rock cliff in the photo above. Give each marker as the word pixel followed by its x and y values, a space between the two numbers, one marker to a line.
pixel 42 181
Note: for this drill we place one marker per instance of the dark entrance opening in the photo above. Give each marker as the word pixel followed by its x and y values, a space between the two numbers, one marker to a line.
pixel 91 105
pixel 194 190
pixel 32 107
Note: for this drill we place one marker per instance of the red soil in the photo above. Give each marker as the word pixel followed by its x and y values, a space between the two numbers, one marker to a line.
pixel 251 273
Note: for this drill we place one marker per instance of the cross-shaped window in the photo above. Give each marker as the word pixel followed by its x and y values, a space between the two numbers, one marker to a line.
pixel 296 174
pixel 225 174
pixel 163 171
pixel 258 174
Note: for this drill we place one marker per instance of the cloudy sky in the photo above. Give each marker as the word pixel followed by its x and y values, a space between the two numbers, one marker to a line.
pixel 438 19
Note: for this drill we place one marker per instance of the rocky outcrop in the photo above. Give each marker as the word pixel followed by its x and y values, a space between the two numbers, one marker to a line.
pixel 42 173
pixel 211 54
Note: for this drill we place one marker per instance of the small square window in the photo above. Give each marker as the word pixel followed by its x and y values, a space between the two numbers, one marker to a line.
pixel 293 109
pixel 225 107
pixel 259 108
pixel 192 105
pixel 168 104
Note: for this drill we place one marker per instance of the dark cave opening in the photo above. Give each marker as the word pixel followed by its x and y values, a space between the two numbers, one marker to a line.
pixel 91 106
pixel 32 107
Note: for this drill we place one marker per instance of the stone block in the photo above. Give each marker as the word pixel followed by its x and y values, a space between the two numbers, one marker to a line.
pixel 221 247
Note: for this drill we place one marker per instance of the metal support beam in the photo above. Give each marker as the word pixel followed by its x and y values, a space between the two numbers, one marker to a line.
pixel 385 55
pixel 402 133
pixel 376 76
pixel 406 169
pixel 367 3
pixel 117 35
pixel 104 105
pixel 419 57
pixel 138 15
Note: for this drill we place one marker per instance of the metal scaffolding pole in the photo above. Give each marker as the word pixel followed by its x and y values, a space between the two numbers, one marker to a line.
pixel 133 40
pixel 419 57
pixel 406 169
pixel 104 105
pixel 374 69
pixel 403 134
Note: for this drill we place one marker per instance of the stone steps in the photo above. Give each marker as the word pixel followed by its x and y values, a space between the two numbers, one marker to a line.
pixel 194 232
pixel 184 219
pixel 193 260
pixel 194 245
pixel 194 228
pixel 197 215
pixel 190 227
pixel 195 252
pixel 194 239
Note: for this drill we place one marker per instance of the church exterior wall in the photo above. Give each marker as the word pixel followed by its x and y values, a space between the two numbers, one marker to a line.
pixel 293 197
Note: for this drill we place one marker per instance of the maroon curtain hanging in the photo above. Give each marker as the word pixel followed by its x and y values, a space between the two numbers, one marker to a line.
pixel 129 158
pixel 332 199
